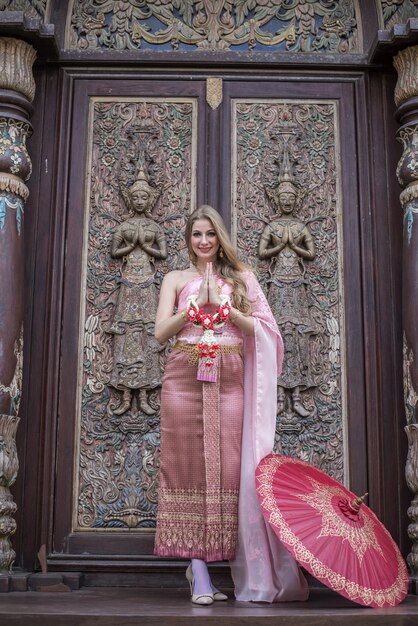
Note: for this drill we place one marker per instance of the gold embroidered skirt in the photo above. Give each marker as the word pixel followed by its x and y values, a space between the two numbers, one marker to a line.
pixel 201 426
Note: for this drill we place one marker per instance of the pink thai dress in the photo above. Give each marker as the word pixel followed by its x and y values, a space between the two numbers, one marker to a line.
pixel 213 434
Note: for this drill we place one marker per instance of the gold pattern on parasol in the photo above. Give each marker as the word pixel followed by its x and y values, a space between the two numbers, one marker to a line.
pixel 361 536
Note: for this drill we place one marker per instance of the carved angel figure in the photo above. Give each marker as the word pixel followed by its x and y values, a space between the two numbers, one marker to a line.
pixel 137 241
pixel 289 240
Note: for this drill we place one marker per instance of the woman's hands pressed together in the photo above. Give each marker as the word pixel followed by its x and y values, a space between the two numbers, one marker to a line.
pixel 208 292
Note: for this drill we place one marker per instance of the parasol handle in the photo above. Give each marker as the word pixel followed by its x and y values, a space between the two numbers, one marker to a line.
pixel 357 502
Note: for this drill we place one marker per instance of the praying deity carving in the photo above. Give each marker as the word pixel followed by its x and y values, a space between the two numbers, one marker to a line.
pixel 139 189
pixel 288 241
pixel 137 241
pixel 286 206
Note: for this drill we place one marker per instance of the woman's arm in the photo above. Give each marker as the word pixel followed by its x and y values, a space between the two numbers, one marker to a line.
pixel 244 322
pixel 167 323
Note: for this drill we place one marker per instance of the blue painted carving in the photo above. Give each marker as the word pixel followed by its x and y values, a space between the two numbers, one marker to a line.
pixel 12 202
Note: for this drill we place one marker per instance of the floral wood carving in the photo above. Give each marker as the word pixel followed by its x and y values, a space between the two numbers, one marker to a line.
pixel 309 425
pixel 119 449
pixel 16 167
pixel 291 25
pixel 407 173
pixel 9 467
pixel 14 388
pixel 31 8
pixel 411 475
pixel 14 156
pixel 396 11
pixel 214 92
pixel 410 394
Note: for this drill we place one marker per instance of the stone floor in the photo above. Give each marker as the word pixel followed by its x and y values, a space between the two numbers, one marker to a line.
pixel 94 606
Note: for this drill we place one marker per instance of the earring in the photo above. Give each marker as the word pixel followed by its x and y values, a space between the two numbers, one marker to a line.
pixel 221 253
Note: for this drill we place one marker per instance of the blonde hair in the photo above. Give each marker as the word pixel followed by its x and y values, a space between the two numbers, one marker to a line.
pixel 228 266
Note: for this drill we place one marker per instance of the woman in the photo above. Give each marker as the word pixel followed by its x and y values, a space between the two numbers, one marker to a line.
pixel 218 412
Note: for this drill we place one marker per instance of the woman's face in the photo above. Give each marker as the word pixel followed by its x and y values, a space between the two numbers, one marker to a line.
pixel 204 240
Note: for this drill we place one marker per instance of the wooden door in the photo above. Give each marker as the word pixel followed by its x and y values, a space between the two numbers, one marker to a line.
pixel 233 154
pixel 150 134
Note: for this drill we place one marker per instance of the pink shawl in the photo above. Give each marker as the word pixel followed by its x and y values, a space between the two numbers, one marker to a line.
pixel 263 570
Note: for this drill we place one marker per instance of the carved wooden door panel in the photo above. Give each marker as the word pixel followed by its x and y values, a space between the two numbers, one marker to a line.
pixel 285 140
pixel 137 168
pixel 142 155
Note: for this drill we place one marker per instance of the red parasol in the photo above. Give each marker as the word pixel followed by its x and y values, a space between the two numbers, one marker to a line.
pixel 330 532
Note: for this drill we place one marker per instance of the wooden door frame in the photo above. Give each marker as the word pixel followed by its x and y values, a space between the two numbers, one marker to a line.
pixel 378 412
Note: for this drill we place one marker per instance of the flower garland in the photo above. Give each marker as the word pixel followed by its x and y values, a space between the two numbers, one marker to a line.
pixel 208 348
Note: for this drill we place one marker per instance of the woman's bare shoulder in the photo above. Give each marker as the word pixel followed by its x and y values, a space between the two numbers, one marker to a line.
pixel 175 275
pixel 179 278
pixel 184 277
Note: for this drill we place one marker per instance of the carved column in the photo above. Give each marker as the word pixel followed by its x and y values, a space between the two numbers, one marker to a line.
pixel 406 98
pixel 17 90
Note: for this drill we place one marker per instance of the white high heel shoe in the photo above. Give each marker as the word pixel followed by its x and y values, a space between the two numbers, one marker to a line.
pixel 218 596
pixel 205 599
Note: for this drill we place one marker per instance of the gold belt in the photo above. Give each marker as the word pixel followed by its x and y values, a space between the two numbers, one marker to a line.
pixel 192 350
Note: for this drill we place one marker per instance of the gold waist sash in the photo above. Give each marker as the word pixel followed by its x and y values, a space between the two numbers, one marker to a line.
pixel 192 350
